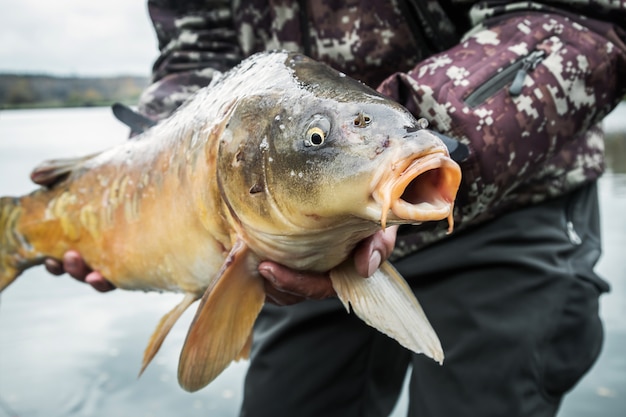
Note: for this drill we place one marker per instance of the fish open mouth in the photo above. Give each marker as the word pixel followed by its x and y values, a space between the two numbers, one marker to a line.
pixel 418 190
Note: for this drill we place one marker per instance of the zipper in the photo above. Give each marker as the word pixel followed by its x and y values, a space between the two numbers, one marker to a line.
pixel 515 74
pixel 528 64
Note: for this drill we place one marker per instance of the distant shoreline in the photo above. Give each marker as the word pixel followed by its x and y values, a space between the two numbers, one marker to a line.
pixel 63 105
pixel 27 91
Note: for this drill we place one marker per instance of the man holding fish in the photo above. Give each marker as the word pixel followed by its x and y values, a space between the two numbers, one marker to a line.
pixel 511 292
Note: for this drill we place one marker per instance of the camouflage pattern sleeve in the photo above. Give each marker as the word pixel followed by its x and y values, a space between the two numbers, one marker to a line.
pixel 526 94
pixel 524 89
pixel 196 38
pixel 604 10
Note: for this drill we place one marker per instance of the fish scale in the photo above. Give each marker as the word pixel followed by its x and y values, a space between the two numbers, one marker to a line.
pixel 281 159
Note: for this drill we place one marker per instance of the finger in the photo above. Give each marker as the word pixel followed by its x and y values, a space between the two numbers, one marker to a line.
pixel 276 297
pixel 74 265
pixel 97 281
pixel 300 284
pixel 54 266
pixel 374 250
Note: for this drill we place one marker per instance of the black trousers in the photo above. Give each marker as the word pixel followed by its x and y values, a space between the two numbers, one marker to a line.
pixel 515 305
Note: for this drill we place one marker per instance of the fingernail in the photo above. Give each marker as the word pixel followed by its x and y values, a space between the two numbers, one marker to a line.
pixel 267 274
pixel 374 263
pixel 70 262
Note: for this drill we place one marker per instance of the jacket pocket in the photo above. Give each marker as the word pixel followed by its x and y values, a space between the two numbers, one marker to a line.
pixel 513 74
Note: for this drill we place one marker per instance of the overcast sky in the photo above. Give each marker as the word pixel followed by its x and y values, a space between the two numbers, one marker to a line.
pixel 76 37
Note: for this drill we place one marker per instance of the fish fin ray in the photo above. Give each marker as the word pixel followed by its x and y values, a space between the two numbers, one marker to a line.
pixel 386 302
pixel 245 351
pixel 223 322
pixel 163 328
pixel 53 171
pixel 10 242
pixel 8 274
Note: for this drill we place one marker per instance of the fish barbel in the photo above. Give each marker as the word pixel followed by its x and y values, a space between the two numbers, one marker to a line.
pixel 282 159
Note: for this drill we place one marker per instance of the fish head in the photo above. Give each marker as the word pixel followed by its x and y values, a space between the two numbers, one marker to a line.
pixel 327 150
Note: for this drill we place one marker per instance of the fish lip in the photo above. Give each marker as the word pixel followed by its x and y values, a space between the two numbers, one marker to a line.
pixel 419 189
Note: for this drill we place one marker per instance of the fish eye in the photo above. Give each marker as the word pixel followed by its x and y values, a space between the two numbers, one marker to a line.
pixel 317 131
pixel 315 136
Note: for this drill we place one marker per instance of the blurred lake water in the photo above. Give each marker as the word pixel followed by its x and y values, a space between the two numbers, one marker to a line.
pixel 66 350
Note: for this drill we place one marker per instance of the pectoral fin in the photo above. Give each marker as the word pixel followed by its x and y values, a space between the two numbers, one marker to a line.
pixel 386 302
pixel 163 328
pixel 223 323
pixel 245 351
pixel 53 171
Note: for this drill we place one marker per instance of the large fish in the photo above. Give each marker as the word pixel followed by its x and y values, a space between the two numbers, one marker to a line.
pixel 282 159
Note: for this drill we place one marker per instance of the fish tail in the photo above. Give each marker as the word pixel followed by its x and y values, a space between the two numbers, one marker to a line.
pixel 11 242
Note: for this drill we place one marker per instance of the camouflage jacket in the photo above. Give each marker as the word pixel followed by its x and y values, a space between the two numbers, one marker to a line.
pixel 523 84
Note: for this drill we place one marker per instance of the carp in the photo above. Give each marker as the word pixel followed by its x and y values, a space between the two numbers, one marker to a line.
pixel 281 158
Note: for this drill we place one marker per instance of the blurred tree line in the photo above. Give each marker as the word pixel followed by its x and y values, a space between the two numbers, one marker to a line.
pixel 30 91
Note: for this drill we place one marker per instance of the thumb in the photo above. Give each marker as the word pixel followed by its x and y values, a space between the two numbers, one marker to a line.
pixel 374 250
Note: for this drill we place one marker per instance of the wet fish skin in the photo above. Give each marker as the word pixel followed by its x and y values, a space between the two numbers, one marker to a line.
pixel 280 159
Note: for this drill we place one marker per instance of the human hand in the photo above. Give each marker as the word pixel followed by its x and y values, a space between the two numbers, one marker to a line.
pixel 75 266
pixel 284 286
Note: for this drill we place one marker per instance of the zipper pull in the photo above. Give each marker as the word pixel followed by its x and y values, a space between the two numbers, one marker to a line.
pixel 528 64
